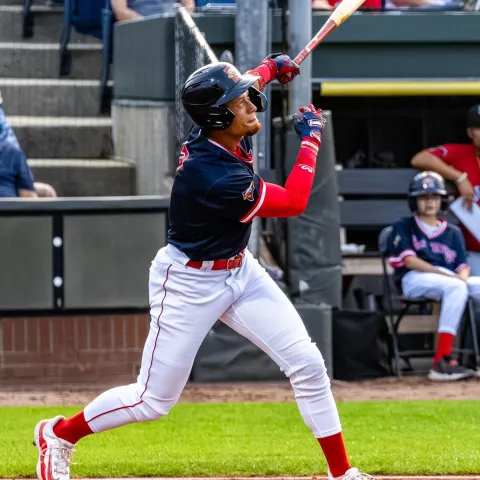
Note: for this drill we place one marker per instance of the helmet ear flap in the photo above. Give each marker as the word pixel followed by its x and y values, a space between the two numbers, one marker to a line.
pixel 444 204
pixel 412 204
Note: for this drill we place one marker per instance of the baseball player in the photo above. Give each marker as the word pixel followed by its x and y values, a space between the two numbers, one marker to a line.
pixel 460 163
pixel 206 272
pixel 429 259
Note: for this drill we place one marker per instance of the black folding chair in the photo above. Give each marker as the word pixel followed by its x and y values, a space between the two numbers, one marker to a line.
pixel 399 307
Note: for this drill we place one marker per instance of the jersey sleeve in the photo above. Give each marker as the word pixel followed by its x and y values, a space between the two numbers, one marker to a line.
pixel 400 246
pixel 237 195
pixel 23 174
pixel 447 153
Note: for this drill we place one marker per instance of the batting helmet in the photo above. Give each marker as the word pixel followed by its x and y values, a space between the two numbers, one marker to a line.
pixel 208 89
pixel 425 183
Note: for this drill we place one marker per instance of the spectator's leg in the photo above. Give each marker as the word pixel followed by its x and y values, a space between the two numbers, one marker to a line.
pixel 474 261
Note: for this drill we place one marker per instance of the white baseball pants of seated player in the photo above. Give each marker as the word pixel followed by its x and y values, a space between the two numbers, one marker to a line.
pixel 185 304
pixel 451 291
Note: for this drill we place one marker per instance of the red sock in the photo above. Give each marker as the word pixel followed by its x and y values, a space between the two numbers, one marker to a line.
pixel 444 347
pixel 335 454
pixel 72 429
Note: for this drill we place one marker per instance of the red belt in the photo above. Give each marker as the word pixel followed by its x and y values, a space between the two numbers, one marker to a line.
pixel 227 264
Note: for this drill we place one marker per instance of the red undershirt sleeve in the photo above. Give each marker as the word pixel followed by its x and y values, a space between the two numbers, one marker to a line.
pixel 292 199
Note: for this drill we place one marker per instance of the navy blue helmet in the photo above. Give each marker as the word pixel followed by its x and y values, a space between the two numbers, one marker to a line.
pixel 425 183
pixel 208 89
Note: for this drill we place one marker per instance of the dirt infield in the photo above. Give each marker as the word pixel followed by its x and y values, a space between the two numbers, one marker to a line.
pixel 407 388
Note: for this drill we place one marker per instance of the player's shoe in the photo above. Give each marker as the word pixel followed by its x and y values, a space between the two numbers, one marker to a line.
pixel 351 474
pixel 448 370
pixel 54 454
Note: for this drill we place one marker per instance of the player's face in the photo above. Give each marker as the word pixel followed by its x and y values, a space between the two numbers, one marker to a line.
pixel 429 205
pixel 245 122
pixel 474 134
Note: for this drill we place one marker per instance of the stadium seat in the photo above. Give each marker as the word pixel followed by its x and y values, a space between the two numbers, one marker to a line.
pixel 399 307
pixel 95 18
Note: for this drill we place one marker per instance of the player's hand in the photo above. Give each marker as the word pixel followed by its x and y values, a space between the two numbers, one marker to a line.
pixel 282 67
pixel 467 192
pixel 309 123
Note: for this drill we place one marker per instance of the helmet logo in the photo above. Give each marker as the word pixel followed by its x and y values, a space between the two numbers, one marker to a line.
pixel 232 73
pixel 428 182
pixel 248 193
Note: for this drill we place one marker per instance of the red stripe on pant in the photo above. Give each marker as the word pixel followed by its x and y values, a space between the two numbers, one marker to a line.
pixel 151 360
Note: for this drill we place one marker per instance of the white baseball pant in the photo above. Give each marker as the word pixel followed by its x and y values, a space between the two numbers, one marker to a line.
pixel 185 303
pixel 451 291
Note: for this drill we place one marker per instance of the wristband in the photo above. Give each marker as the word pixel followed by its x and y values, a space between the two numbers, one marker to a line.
pixel 461 178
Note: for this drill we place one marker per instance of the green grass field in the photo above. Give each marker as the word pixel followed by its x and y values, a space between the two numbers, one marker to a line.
pixel 434 437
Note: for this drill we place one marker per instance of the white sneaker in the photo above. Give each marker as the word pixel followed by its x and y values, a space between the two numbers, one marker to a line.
pixel 54 454
pixel 350 474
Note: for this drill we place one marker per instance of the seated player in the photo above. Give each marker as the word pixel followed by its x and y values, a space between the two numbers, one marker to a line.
pixel 429 258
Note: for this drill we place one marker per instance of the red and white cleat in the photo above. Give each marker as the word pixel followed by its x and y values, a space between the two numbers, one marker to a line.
pixel 351 474
pixel 54 454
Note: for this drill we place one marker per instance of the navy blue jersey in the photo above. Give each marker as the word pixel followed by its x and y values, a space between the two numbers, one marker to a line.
pixel 15 174
pixel 214 198
pixel 444 247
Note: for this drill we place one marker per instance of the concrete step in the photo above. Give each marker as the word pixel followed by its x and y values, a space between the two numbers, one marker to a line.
pixel 63 137
pixel 85 178
pixel 39 97
pixel 47 25
pixel 42 60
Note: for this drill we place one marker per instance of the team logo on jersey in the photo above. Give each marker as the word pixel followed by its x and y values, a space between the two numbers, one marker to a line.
pixel 397 240
pixel 248 193
pixel 442 149
pixel 183 156
pixel 232 73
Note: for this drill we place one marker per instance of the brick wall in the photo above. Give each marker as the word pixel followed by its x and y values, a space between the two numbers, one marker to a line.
pixel 71 348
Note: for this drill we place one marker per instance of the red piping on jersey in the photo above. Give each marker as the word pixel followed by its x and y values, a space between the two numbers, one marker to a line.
pixel 246 159
pixel 151 360
pixel 399 261
pixel 461 267
pixel 436 232
pixel 292 200
pixel 257 205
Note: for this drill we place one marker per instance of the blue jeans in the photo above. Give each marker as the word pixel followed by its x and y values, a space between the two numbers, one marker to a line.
pixel 473 260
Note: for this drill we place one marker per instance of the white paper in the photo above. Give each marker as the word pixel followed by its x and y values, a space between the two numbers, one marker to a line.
pixel 471 220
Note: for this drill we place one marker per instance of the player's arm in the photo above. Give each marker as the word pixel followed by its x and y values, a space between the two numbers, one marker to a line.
pixel 275 66
pixel 292 199
pixel 123 12
pixel 402 253
pixel 462 269
pixel 438 159
pixel 414 263
pixel 442 160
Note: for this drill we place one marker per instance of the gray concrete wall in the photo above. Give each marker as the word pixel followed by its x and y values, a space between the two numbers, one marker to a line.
pixel 368 45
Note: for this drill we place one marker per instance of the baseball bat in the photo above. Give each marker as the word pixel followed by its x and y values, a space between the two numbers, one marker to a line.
pixel 344 10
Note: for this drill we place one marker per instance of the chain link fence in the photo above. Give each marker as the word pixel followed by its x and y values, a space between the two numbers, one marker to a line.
pixel 192 52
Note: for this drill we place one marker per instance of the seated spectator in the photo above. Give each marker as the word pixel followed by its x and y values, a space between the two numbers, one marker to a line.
pixel 460 163
pixel 134 9
pixel 16 179
pixel 429 259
